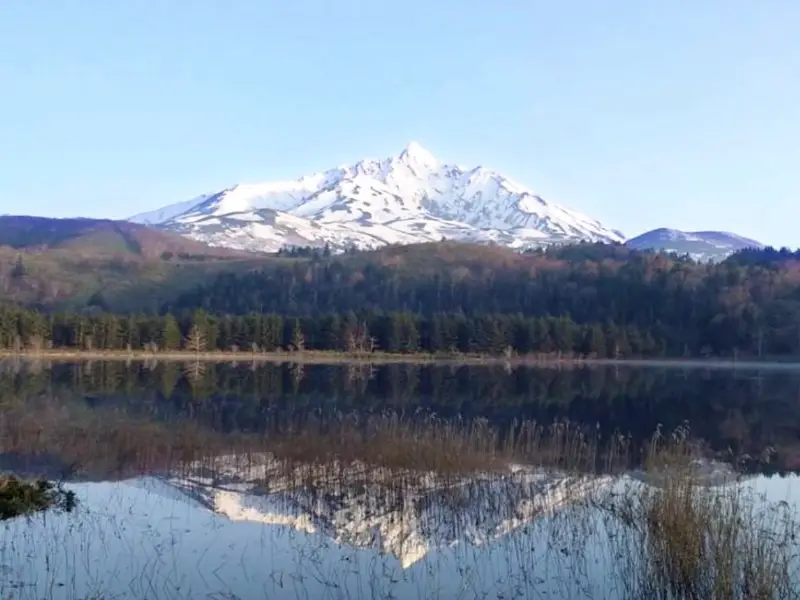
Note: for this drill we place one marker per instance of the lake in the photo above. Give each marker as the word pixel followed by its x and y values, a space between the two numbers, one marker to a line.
pixel 206 480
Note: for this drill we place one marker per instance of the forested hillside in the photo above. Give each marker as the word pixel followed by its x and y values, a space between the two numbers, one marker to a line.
pixel 78 263
pixel 585 300
pixel 749 304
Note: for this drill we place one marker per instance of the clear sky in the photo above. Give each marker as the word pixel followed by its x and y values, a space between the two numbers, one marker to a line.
pixel 641 113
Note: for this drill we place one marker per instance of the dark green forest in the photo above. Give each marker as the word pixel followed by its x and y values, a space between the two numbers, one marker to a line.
pixel 589 300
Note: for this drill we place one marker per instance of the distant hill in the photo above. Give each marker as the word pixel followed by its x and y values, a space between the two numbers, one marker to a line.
pixel 101 237
pixel 699 245
pixel 75 263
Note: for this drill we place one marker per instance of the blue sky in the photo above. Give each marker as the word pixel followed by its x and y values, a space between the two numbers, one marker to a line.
pixel 680 113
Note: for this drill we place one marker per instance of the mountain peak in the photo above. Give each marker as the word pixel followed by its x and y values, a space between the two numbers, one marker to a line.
pixel 407 198
pixel 414 154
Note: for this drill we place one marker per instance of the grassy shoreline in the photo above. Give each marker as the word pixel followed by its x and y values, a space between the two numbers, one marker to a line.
pixel 340 357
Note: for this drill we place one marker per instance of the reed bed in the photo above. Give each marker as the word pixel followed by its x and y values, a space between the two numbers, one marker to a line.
pixel 107 443
pixel 690 535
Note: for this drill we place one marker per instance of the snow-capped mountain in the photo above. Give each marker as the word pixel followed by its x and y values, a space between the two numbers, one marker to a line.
pixel 699 245
pixel 409 198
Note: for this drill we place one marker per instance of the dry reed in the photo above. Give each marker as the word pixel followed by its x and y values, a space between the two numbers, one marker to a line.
pixel 691 535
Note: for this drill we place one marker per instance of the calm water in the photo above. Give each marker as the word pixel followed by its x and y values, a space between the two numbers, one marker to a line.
pixel 180 493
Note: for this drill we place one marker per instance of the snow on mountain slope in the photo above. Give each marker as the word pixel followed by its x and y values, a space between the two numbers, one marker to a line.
pixel 699 245
pixel 408 198
pixel 168 212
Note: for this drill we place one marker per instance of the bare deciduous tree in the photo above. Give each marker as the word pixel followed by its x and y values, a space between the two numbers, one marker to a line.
pixel 358 339
pixel 196 340
pixel 298 338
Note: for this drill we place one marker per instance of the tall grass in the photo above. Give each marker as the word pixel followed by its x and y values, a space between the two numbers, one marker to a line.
pixel 106 442
pixel 683 539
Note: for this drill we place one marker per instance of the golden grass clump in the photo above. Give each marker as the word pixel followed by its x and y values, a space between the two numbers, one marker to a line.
pixel 696 533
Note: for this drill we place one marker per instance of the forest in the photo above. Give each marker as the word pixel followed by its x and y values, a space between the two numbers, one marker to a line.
pixel 590 300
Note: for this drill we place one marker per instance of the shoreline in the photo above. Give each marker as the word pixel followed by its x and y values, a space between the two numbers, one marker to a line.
pixel 375 358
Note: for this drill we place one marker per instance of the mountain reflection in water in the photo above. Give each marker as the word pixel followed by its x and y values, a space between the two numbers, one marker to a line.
pixel 405 514
pixel 408 482
pixel 197 534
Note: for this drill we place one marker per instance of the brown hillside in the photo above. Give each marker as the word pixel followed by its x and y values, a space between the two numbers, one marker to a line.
pixel 103 238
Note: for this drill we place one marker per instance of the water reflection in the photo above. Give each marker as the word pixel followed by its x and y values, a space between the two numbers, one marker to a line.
pixel 222 533
pixel 398 482
pixel 742 413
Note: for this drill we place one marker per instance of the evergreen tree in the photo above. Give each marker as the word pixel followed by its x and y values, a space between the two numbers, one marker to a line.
pixel 594 344
pixel 170 334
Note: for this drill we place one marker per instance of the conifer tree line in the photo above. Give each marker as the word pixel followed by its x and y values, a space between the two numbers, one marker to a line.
pixel 393 332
